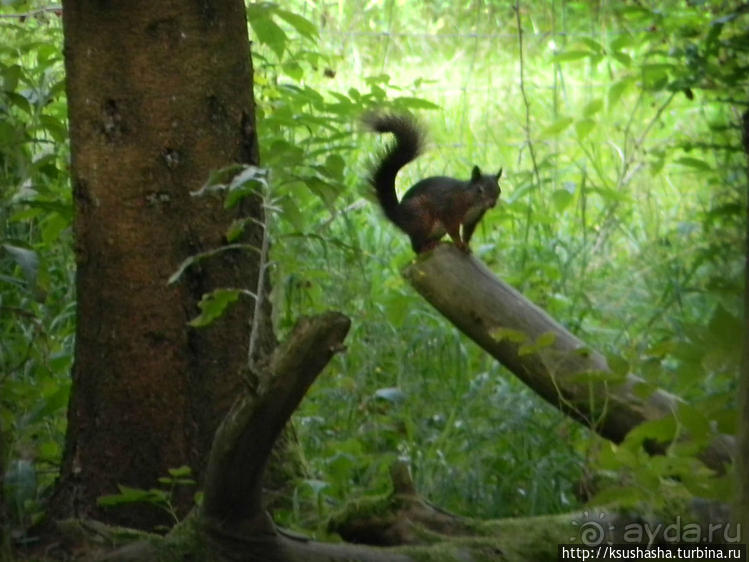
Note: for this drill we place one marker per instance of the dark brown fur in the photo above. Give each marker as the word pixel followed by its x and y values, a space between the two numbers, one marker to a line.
pixel 435 205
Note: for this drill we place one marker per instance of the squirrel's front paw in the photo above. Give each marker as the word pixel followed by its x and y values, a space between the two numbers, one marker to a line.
pixel 462 246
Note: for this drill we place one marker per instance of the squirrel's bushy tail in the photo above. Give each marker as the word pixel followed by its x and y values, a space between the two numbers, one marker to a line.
pixel 408 145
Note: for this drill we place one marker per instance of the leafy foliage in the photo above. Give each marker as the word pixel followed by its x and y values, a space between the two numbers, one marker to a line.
pixel 607 228
pixel 161 497
pixel 36 272
pixel 622 215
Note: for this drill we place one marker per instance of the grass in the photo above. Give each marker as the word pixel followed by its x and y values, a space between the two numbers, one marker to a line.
pixel 604 231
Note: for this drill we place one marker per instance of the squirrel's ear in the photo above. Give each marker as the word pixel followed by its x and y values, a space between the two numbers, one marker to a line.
pixel 499 175
pixel 475 174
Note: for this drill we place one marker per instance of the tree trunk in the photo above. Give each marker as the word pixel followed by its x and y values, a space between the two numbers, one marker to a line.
pixel 159 94
pixel 543 354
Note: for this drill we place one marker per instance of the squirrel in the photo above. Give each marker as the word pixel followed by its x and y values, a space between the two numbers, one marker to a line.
pixel 434 205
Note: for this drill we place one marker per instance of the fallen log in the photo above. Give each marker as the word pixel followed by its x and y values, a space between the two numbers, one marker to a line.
pixel 553 362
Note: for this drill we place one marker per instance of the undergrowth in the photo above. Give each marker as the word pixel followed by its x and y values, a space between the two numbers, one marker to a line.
pixel 621 214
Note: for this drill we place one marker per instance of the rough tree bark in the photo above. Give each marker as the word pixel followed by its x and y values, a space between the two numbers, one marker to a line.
pixel 541 352
pixel 159 94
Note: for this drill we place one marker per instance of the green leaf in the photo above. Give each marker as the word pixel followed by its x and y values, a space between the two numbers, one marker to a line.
pixel 48 405
pixel 561 199
pixel 644 390
pixel 696 163
pixel 543 341
pixel 244 184
pixel 622 41
pixel 10 76
pixel 236 228
pixel 269 33
pixel 27 260
pixel 608 194
pixel 617 364
pixel 219 178
pixel 340 466
pixel 656 165
pixel 19 101
pixel 129 495
pixel 303 26
pixel 655 76
pixel 637 13
pixel 584 127
pixel 612 457
pixel 725 329
pixel 180 471
pixel 595 47
pixel 282 151
pixel 325 190
pixel 53 227
pixel 583 351
pixel 213 305
pixel 547 339
pixel 290 211
pixel 616 91
pixel 410 102
pixel 55 127
pixel 695 423
pixel 662 431
pixel 557 127
pixel 237 181
pixel 294 70
pixel 334 166
pixel 508 334
pixel 593 107
pixel 8 134
pixel 623 58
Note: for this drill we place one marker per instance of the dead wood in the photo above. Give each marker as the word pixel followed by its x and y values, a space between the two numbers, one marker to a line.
pixel 232 526
pixel 232 515
pixel 561 368
pixel 245 438
pixel 403 517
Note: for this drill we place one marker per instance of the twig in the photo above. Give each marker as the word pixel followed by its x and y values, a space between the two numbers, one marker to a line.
pixel 627 174
pixel 256 314
pixel 524 95
pixel 56 10
pixel 527 126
